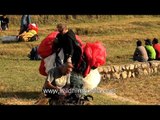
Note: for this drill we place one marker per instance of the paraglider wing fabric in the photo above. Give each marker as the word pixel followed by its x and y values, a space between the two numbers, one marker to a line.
pixel 95 55
pixel 45 47
pixel 42 68
pixel 92 80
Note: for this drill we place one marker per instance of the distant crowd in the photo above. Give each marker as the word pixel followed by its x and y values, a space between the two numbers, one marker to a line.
pixel 151 50
pixel 28 30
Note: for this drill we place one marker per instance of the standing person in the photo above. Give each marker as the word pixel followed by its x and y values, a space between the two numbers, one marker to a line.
pixel 4 22
pixel 150 50
pixel 156 46
pixel 140 53
pixel 25 21
pixel 66 41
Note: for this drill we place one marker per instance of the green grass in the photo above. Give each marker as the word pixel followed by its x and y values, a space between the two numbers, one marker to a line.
pixel 21 83
pixel 19 75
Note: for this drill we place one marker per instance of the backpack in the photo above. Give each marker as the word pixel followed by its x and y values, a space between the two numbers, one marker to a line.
pixel 45 47
pixel 34 54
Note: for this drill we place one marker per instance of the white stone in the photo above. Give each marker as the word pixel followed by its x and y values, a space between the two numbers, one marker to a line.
pixel 116 75
pixel 140 71
pixel 154 63
pixel 123 67
pixel 127 67
pixel 155 70
pixel 131 67
pixel 145 72
pixel 151 70
pixel 145 65
pixel 108 76
pixel 129 74
pixel 116 68
pixel 124 74
pixel 112 69
pixel 133 75
pixel 105 70
pixel 100 69
pixel 109 68
pixel 120 68
pixel 136 66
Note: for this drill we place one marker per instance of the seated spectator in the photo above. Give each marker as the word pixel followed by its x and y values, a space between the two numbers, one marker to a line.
pixel 4 22
pixel 156 46
pixel 150 50
pixel 140 53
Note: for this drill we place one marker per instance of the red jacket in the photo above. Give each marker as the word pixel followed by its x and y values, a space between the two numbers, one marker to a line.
pixel 157 49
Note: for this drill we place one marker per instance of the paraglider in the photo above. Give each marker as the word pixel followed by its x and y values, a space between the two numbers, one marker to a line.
pixel 92 55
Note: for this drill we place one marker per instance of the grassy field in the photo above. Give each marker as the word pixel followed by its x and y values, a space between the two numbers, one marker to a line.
pixel 21 83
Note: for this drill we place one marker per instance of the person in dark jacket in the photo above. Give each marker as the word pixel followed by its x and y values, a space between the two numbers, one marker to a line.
pixel 4 22
pixel 66 40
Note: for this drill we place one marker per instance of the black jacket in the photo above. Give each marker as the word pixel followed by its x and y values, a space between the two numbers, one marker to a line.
pixel 4 22
pixel 70 46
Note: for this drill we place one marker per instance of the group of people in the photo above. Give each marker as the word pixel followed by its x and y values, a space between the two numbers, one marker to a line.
pixel 67 63
pixel 28 30
pixel 25 21
pixel 67 69
pixel 151 50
